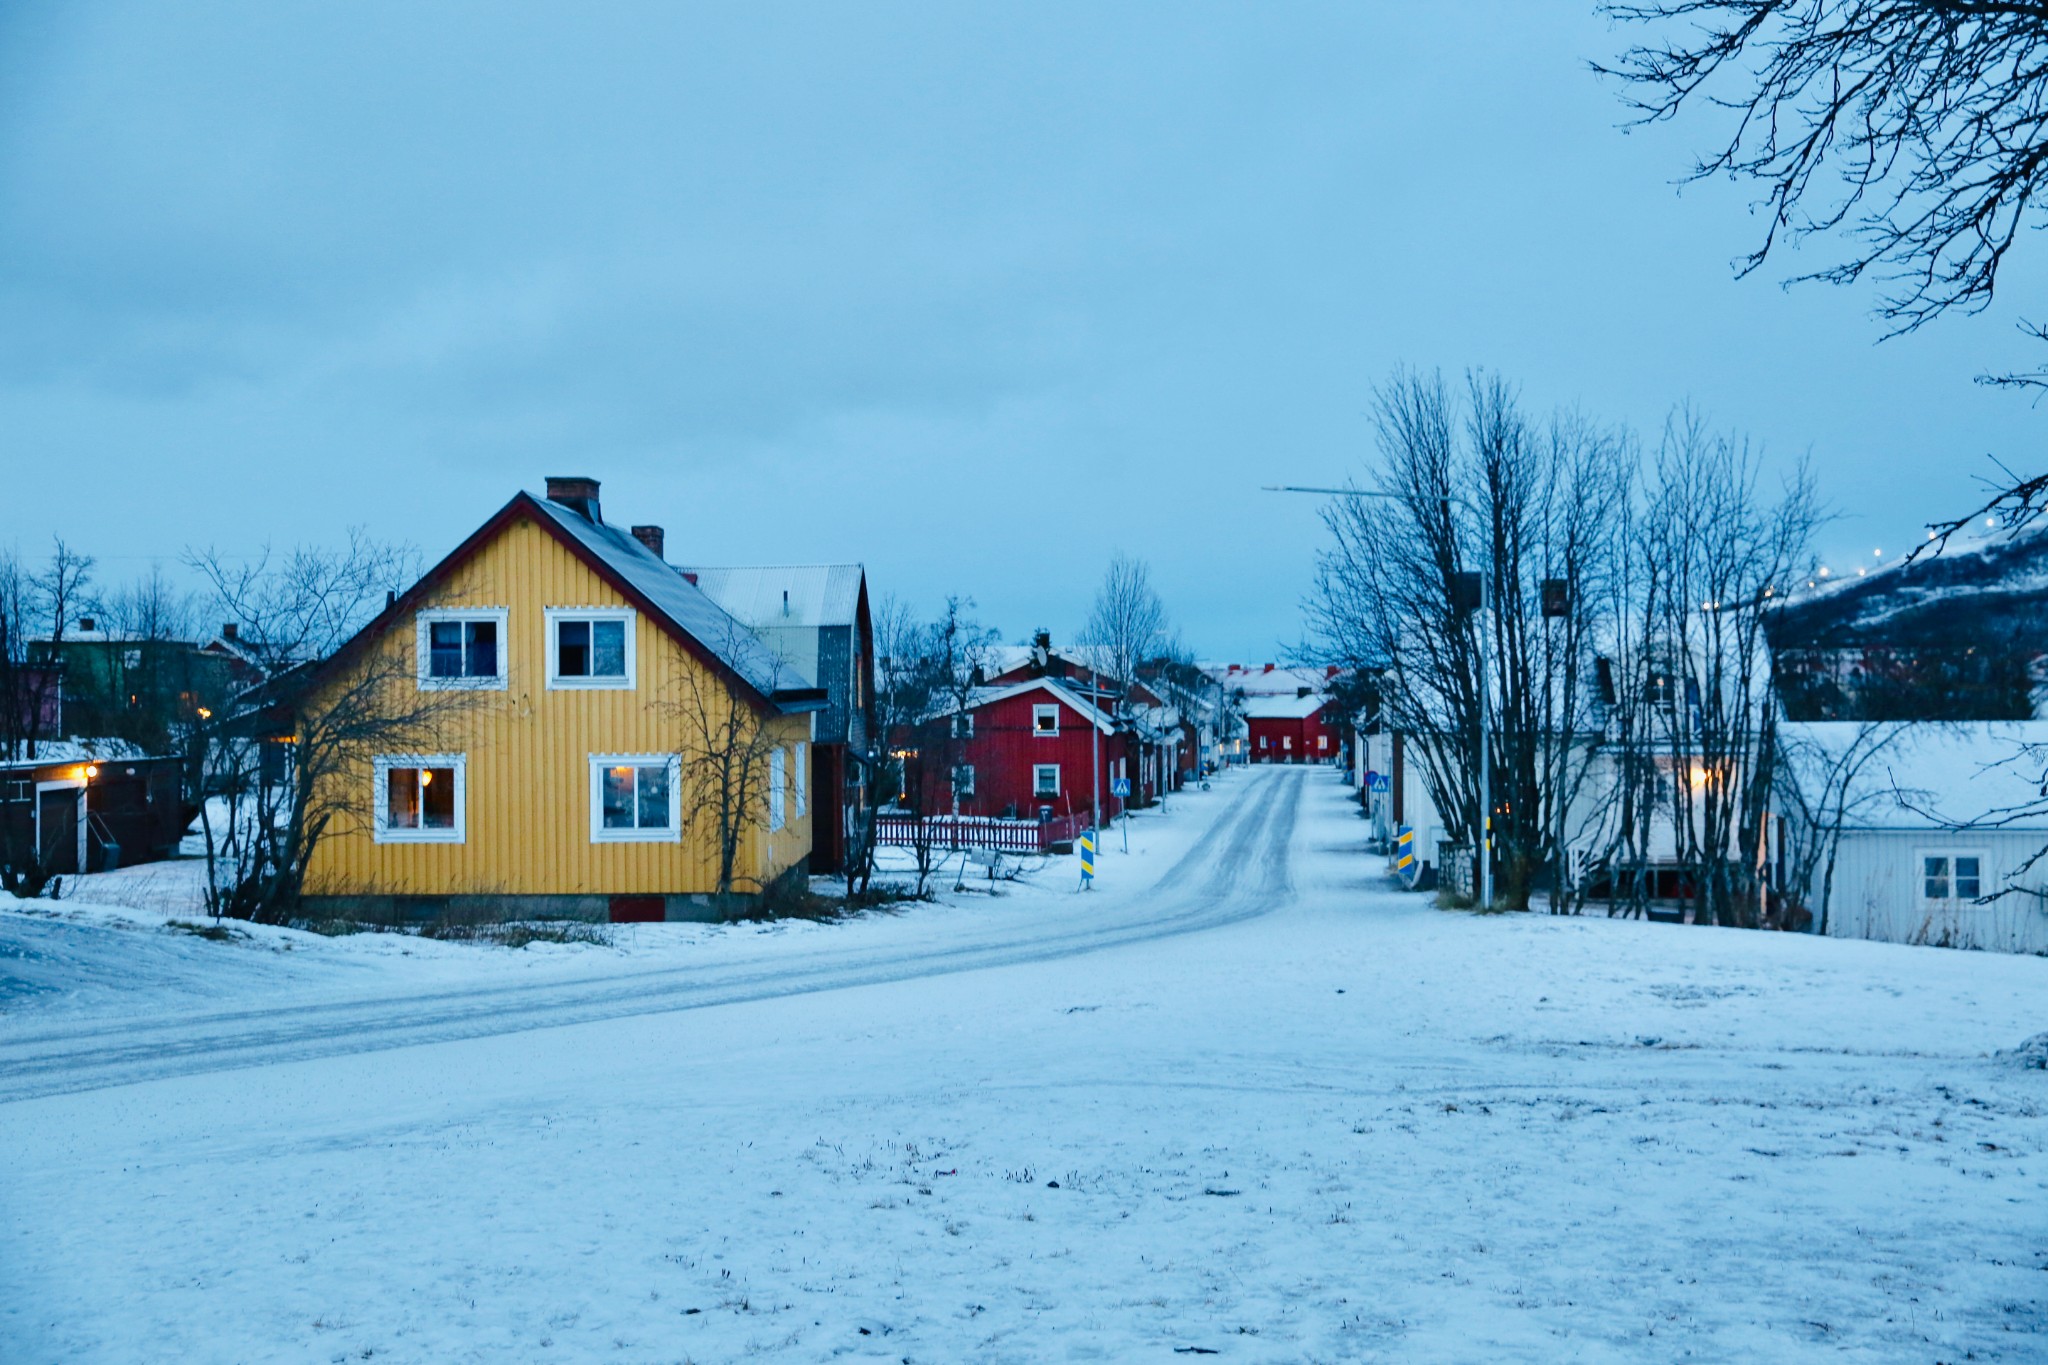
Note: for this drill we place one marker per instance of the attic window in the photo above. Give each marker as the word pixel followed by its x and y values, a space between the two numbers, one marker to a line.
pixel 1045 720
pixel 590 647
pixel 461 648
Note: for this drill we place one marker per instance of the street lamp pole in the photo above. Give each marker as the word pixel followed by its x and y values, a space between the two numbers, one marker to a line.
pixel 1485 832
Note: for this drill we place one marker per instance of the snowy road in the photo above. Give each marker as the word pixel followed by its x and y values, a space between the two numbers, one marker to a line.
pixel 1239 870
pixel 1269 1109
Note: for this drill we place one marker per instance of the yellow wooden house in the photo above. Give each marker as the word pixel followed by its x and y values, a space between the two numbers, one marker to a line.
pixel 570 780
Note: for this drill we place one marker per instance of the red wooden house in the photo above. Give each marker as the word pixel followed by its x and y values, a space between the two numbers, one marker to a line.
pixel 1028 749
pixel 1290 729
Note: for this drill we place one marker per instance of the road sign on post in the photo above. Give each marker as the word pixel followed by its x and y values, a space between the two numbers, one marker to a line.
pixel 1377 782
pixel 1120 787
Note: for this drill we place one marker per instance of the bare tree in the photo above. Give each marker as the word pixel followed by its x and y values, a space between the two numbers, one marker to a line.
pixel 1723 554
pixel 1820 788
pixel 732 758
pixel 1399 594
pixel 288 764
pixel 1127 625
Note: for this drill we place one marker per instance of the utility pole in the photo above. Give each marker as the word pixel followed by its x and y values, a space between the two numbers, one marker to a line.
pixel 1095 756
pixel 1485 832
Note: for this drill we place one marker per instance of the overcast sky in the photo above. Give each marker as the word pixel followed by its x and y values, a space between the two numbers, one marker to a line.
pixel 974 294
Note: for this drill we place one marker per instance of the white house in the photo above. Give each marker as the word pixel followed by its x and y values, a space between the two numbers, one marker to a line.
pixel 1938 827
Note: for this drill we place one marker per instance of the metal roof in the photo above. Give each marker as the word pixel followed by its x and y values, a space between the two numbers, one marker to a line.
pixel 818 594
pixel 686 606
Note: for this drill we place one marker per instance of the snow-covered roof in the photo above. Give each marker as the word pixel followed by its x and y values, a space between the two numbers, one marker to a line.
pixel 685 605
pixel 1288 707
pixel 784 595
pixel 983 696
pixel 78 750
pixel 1260 680
pixel 1925 775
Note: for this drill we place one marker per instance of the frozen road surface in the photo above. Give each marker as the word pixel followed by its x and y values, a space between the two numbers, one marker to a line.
pixel 1245 1100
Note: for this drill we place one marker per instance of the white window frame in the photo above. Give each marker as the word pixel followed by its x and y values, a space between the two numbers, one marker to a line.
pixel 801 788
pixel 558 683
pixel 1955 896
pixel 84 814
pixel 963 788
pixel 1039 712
pixel 963 725
pixel 778 788
pixel 599 834
pixel 380 796
pixel 423 648
pixel 1038 786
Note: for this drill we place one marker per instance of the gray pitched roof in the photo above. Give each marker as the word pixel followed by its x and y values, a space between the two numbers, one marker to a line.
pixel 817 594
pixel 685 606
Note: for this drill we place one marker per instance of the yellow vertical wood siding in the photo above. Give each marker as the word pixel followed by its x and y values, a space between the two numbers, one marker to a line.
pixel 528 751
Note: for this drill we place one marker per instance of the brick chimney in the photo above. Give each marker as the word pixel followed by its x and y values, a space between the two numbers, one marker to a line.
pixel 576 493
pixel 651 537
pixel 229 630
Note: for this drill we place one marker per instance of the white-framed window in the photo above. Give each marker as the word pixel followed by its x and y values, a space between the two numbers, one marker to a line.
pixel 420 798
pixel 802 788
pixel 1045 719
pixel 1045 779
pixel 963 726
pixel 963 779
pixel 1951 875
pixel 1322 741
pixel 590 647
pixel 636 799
pixel 778 788
pixel 460 647
pixel 1287 743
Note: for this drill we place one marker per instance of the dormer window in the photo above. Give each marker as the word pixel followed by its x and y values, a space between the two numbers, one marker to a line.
pixel 461 648
pixel 590 647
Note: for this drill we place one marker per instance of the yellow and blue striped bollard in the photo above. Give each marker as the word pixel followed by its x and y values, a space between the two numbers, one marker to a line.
pixel 1087 858
pixel 1404 859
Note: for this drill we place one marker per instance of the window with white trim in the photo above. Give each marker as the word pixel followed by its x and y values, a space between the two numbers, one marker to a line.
pixel 1951 876
pixel 778 787
pixel 590 647
pixel 635 798
pixel 963 779
pixel 419 798
pixel 1045 779
pixel 802 787
pixel 963 726
pixel 461 647
pixel 1045 719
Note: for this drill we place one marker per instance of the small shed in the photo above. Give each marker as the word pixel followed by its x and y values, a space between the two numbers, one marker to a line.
pixel 74 810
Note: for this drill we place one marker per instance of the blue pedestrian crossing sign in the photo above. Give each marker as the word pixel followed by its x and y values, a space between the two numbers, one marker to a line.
pixel 1376 782
pixel 1120 786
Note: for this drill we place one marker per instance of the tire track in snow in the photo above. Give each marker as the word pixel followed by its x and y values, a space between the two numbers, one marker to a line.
pixel 1239 869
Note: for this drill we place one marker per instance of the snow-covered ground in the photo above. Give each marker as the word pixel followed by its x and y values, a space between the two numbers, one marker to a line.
pixel 1278 1112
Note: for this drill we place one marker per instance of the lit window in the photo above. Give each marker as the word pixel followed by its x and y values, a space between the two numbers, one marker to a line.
pixel 590 647
pixel 1045 720
pixel 419 798
pixel 461 648
pixel 1045 779
pixel 635 798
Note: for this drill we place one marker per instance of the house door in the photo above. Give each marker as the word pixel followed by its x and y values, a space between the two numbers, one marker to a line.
pixel 59 830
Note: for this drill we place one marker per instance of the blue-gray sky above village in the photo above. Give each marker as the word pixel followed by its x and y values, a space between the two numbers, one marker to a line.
pixel 975 294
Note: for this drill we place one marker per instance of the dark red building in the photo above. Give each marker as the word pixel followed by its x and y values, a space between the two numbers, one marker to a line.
pixel 1286 729
pixel 1028 749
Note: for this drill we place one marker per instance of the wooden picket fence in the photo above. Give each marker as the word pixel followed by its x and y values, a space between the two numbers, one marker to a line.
pixel 978 831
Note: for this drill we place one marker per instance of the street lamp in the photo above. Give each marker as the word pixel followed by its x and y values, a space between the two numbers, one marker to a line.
pixel 1485 763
